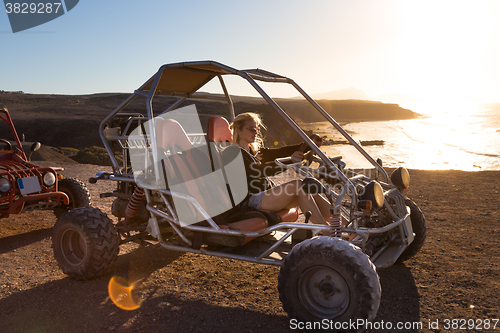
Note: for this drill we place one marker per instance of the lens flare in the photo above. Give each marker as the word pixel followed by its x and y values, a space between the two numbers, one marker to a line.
pixel 123 294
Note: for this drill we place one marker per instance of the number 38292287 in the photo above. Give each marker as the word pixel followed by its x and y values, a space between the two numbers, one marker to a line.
pixel 32 8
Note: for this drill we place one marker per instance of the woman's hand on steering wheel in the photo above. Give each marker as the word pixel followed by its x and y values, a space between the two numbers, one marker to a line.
pixel 297 156
pixel 318 141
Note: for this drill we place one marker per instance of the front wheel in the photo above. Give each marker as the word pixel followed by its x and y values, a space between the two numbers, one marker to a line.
pixel 419 229
pixel 85 243
pixel 329 278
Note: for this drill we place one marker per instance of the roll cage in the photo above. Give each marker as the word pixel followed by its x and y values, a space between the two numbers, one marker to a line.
pixel 184 80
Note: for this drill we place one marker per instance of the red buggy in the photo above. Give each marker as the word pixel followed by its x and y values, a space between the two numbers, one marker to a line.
pixel 25 186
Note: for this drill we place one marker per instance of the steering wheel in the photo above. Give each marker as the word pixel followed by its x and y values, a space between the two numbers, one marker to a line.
pixel 318 170
pixel 8 145
pixel 300 167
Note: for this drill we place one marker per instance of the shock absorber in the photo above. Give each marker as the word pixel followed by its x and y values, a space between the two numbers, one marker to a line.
pixel 135 202
pixel 335 224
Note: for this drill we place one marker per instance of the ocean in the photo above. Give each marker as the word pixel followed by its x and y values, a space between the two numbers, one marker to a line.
pixel 450 138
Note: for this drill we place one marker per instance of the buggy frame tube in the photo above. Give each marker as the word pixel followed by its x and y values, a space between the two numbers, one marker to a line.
pixel 203 251
pixel 259 259
pixel 151 125
pixel 340 129
pixel 278 243
pixel 188 66
pixel 174 105
pixel 214 228
pixel 116 167
pixel 228 97
pixel 142 93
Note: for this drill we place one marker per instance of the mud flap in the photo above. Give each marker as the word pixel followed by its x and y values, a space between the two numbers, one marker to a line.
pixel 396 246
pixel 408 229
pixel 153 229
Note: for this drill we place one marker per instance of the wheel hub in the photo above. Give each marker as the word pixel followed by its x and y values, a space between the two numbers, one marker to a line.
pixel 326 287
pixel 324 292
pixel 73 244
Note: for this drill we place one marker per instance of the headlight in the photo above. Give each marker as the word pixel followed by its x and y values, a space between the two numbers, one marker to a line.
pixel 49 179
pixel 374 192
pixel 4 185
pixel 401 178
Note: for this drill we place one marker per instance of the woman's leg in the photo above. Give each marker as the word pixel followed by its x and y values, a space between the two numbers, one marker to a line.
pixel 290 195
pixel 281 196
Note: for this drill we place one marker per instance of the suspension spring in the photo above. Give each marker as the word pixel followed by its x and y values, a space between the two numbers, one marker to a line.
pixel 135 202
pixel 335 226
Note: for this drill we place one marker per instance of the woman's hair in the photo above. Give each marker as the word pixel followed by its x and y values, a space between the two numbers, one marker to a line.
pixel 238 124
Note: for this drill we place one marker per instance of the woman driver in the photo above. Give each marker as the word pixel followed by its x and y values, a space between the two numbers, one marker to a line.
pixel 259 164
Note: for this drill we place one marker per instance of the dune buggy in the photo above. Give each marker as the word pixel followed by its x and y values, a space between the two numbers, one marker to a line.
pixel 25 186
pixel 179 178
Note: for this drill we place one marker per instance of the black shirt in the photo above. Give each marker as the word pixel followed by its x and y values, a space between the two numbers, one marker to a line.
pixel 261 165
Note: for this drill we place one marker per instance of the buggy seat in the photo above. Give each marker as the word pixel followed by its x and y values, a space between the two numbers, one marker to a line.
pixel 191 169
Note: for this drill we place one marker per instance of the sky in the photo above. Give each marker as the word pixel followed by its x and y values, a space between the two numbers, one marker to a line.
pixel 424 49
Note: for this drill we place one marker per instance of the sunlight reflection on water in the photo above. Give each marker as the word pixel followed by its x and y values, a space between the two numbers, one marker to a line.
pixel 443 141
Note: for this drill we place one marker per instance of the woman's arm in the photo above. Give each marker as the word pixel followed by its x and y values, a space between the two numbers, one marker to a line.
pixel 266 155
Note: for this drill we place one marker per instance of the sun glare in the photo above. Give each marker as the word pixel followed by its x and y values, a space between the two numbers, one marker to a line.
pixel 123 294
pixel 441 46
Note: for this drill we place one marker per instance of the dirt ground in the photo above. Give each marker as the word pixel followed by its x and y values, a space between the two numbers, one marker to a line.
pixel 455 276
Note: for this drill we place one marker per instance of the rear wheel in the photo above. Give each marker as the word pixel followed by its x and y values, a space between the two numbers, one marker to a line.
pixel 328 278
pixel 419 229
pixel 85 243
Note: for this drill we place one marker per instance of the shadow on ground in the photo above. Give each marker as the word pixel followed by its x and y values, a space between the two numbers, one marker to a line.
pixel 400 299
pixel 10 243
pixel 68 305
pixel 84 306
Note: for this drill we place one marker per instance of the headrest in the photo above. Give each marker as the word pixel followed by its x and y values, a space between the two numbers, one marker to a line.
pixel 170 133
pixel 218 130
